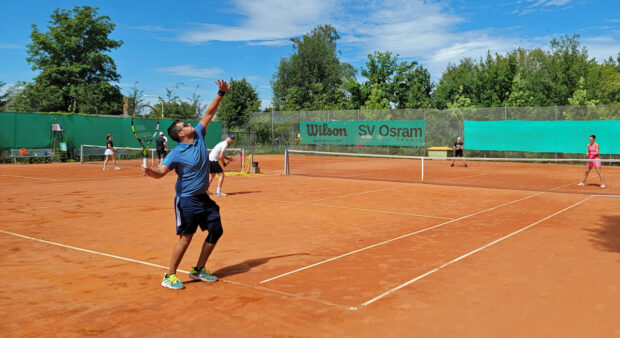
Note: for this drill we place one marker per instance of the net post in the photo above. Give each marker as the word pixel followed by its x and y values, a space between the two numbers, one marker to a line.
pixel 422 178
pixel 82 153
pixel 286 162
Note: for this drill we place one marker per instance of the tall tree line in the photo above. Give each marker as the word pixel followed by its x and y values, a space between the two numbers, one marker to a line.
pixel 76 74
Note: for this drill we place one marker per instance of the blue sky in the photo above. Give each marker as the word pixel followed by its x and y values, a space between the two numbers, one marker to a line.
pixel 186 44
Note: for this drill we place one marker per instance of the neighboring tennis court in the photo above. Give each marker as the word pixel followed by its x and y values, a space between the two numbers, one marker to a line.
pixel 311 255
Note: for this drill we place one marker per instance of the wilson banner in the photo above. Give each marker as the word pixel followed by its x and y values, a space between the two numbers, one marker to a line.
pixel 376 133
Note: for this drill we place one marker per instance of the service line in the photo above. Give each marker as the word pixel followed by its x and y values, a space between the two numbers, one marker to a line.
pixel 399 237
pixel 470 253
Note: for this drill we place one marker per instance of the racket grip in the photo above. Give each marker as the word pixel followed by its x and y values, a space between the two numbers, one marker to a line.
pixel 144 162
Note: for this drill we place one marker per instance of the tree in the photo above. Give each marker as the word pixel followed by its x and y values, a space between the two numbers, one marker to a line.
pixel 457 80
pixel 14 98
pixel 74 66
pixel 173 107
pixel 238 103
pixel 580 96
pixel 133 101
pixel 568 63
pixel 403 84
pixel 312 77
pixel 520 95
pixel 376 101
pixel 608 89
pixel 3 96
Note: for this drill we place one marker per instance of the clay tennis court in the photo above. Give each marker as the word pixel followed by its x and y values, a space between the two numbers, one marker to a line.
pixel 84 251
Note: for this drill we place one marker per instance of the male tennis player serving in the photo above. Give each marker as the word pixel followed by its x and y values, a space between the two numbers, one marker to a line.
pixel 192 205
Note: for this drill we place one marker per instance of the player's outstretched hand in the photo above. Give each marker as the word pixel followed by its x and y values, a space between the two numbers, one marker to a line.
pixel 145 171
pixel 223 85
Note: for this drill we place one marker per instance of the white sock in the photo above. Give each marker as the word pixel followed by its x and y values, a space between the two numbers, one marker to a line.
pixel 218 190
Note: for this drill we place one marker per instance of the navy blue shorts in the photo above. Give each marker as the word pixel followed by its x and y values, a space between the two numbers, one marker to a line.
pixel 194 211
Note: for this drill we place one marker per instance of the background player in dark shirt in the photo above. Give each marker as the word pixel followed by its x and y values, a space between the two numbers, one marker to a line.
pixel 161 147
pixel 458 147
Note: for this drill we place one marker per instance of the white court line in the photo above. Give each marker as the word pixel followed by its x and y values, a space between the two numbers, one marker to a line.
pixel 343 207
pixel 398 238
pixel 32 178
pixel 470 253
pixel 358 193
pixel 87 202
pixel 82 180
pixel 458 178
pixel 255 287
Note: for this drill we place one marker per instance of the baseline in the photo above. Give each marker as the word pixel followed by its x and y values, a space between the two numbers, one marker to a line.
pixel 255 287
pixel 29 177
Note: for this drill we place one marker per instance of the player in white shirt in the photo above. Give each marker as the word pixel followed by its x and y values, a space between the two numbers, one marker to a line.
pixel 217 155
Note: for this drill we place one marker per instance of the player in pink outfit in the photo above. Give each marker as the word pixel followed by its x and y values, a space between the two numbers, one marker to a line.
pixel 592 152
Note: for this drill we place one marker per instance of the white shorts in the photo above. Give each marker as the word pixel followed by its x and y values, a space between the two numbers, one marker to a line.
pixel 108 151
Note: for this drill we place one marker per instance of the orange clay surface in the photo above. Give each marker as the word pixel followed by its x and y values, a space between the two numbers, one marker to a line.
pixel 305 256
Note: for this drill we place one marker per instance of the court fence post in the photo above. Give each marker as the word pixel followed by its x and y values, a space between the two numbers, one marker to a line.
pixel 285 161
pixel 81 153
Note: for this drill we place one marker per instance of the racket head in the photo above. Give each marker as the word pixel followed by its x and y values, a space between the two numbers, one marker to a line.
pixel 145 129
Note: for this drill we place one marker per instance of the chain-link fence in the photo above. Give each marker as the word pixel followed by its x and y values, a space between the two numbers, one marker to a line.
pixel 272 132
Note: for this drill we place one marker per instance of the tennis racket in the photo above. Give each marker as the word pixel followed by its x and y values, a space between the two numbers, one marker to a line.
pixel 145 130
pixel 227 160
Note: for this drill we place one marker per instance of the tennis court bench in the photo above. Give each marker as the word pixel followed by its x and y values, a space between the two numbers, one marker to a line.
pixel 38 153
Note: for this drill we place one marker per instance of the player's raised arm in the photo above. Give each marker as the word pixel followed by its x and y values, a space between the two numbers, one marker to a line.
pixel 212 109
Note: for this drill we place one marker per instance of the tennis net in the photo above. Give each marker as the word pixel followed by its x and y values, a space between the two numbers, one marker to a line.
pixel 559 175
pixel 132 157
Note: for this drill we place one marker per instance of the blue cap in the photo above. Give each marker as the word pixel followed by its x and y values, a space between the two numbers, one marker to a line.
pixel 230 136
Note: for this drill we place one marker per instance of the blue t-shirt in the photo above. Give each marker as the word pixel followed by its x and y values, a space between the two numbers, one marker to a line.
pixel 191 162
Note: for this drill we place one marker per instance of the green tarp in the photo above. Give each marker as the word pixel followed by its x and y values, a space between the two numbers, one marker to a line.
pixel 542 136
pixel 34 130
pixel 382 133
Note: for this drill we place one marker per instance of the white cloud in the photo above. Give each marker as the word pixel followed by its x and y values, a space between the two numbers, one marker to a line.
pixel 602 47
pixel 540 5
pixel 10 46
pixel 427 31
pixel 265 20
pixel 273 43
pixel 192 71
pixel 151 28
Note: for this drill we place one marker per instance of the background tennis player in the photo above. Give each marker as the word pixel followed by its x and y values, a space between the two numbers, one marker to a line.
pixel 592 151
pixel 217 156
pixel 458 147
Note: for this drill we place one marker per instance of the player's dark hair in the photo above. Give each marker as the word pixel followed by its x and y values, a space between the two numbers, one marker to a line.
pixel 173 130
pixel 593 136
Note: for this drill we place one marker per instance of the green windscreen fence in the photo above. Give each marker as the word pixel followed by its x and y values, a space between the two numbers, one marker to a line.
pixel 542 136
pixel 34 130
